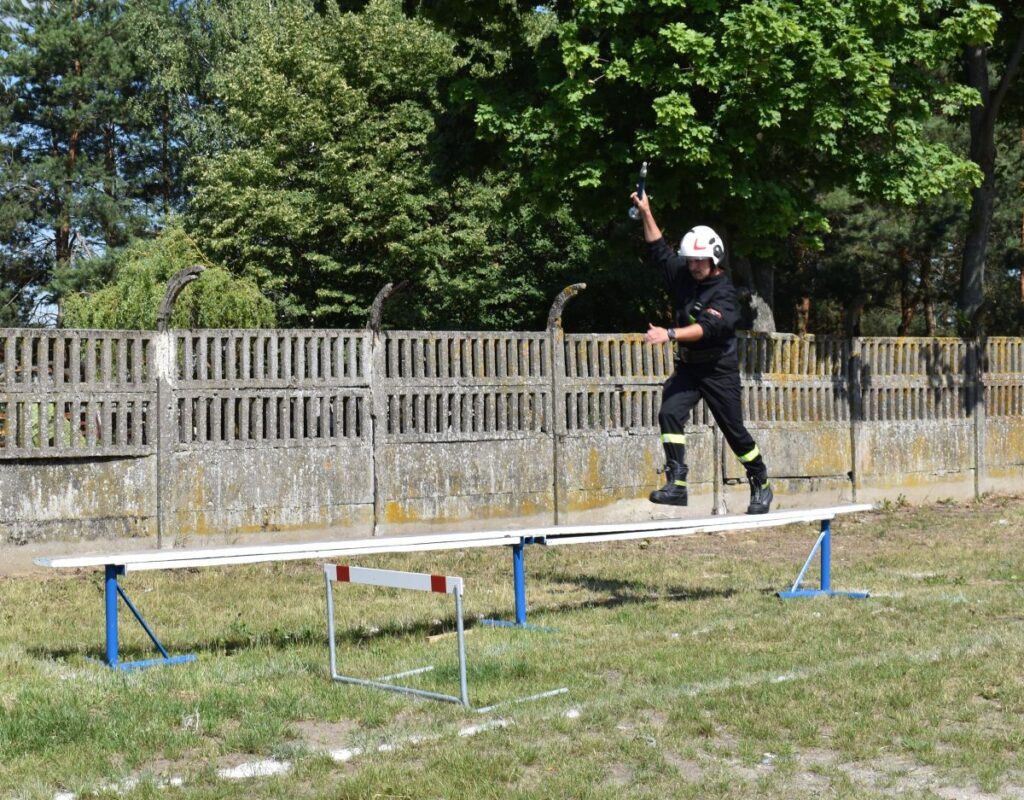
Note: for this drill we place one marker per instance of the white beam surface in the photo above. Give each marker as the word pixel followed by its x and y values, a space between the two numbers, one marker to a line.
pixel 739 522
pixel 553 535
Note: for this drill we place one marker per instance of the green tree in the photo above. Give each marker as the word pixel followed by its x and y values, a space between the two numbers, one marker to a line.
pixel 749 111
pixel 87 138
pixel 333 174
pixel 216 300
pixel 886 269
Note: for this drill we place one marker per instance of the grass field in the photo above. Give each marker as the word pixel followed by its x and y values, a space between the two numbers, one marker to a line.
pixel 686 677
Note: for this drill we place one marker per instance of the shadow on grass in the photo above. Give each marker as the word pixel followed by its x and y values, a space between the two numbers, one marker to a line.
pixel 625 591
pixel 240 636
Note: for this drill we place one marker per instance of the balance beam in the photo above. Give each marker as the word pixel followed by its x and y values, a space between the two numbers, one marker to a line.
pixel 591 534
pixel 117 564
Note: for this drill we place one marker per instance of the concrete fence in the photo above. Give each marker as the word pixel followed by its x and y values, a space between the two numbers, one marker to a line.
pixel 182 434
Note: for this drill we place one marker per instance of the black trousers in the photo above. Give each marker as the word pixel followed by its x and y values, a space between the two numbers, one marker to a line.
pixel 718 384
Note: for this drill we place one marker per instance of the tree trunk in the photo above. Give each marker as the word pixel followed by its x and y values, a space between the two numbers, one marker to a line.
pixel 165 159
pixel 928 307
pixel 983 153
pixel 111 235
pixel 759 282
pixel 63 238
pixel 803 315
pixel 852 314
pixel 908 298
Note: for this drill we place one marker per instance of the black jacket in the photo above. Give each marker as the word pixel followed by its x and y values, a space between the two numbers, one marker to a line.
pixel 698 303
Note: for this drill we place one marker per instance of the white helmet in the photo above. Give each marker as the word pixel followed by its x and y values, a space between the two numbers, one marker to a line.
pixel 702 242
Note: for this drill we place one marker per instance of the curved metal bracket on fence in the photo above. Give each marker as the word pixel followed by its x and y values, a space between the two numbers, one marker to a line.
pixel 556 338
pixel 175 285
pixel 377 309
pixel 558 306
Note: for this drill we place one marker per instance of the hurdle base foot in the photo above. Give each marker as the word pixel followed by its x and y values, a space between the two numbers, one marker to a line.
pixel 128 666
pixel 793 593
pixel 526 626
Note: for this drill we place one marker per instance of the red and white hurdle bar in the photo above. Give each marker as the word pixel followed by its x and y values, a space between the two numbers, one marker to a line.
pixel 394 579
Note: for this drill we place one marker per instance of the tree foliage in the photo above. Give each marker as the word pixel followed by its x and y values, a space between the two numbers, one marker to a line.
pixel 85 160
pixel 216 300
pixel 325 187
pixel 485 151
pixel 747 108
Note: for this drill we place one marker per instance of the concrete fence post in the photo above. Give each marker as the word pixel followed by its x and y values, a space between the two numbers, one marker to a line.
pixel 165 368
pixel 975 364
pixel 855 393
pixel 556 364
pixel 376 372
pixel 718 451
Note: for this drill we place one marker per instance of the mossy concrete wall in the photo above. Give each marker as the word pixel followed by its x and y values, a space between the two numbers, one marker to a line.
pixel 196 435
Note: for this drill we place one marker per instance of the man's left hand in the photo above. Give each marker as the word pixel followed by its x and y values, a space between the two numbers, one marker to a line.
pixel 655 335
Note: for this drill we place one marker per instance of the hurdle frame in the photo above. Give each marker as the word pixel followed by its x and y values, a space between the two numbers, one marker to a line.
pixel 519 586
pixel 438 584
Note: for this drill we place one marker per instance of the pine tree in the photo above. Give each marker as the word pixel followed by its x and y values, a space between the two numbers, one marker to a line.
pixel 79 152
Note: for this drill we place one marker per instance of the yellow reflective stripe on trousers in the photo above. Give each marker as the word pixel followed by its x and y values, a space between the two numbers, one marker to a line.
pixel 680 483
pixel 748 457
pixel 673 438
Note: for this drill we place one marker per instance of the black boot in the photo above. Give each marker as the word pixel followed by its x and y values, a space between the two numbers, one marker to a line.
pixel 673 493
pixel 761 495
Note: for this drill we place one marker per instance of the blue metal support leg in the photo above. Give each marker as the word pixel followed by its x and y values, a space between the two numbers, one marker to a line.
pixel 110 596
pixel 519 580
pixel 823 546
pixel 519 577
pixel 113 590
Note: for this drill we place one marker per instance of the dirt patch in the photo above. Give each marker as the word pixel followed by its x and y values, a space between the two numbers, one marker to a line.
pixel 888 770
pixel 655 718
pixel 324 737
pixel 810 782
pixel 896 776
pixel 689 769
pixel 972 792
pixel 620 775
pixel 750 773
pixel 816 757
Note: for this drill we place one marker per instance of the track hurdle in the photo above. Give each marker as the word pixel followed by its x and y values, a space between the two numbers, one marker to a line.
pixel 417 581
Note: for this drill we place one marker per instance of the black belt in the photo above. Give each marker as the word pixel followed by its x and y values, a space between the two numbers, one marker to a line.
pixel 690 356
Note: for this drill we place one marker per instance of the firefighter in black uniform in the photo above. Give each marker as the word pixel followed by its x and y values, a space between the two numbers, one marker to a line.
pixel 706 314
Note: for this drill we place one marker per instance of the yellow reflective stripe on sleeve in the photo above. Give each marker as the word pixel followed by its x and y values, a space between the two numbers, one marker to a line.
pixel 673 438
pixel 680 483
pixel 748 457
